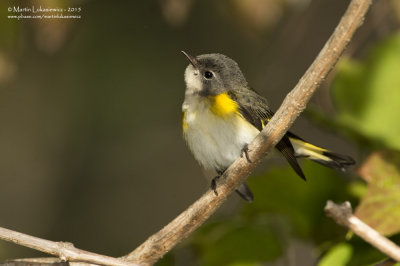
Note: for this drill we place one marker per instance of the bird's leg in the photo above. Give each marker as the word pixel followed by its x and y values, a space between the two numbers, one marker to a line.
pixel 215 179
pixel 245 151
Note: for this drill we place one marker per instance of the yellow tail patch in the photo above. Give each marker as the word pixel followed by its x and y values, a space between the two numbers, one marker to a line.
pixel 303 148
pixel 223 105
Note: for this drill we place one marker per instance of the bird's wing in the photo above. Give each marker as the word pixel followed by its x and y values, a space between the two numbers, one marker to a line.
pixel 254 108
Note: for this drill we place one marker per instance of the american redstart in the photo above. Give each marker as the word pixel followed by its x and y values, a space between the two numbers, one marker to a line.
pixel 221 115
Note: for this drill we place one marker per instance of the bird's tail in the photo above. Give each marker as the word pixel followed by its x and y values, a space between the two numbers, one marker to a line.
pixel 320 155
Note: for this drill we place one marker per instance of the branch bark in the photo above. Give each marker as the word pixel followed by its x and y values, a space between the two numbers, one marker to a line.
pixel 295 102
pixel 64 250
pixel 343 215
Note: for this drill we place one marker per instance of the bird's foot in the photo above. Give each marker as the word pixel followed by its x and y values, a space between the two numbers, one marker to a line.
pixel 214 184
pixel 245 151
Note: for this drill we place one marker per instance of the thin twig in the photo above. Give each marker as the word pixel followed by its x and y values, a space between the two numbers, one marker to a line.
pixel 295 102
pixel 65 251
pixel 343 215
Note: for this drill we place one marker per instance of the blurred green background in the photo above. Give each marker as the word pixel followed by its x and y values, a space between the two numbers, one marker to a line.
pixel 91 150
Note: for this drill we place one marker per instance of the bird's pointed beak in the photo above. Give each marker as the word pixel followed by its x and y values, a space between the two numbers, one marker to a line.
pixel 192 60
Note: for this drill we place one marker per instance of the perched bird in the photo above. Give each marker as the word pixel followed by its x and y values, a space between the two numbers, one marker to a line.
pixel 221 115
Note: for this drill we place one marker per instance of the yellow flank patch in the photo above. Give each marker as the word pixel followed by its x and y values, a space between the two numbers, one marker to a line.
pixel 184 124
pixel 223 105
pixel 263 122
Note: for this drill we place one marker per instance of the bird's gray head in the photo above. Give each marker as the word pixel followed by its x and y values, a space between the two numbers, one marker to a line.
pixel 212 74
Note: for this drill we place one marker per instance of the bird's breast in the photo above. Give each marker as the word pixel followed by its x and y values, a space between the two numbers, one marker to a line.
pixel 215 131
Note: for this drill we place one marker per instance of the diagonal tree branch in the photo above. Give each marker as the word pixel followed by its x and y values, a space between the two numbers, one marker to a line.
pixel 295 102
pixel 343 215
pixel 64 250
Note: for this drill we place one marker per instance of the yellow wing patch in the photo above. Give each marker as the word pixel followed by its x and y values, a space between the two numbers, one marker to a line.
pixel 223 105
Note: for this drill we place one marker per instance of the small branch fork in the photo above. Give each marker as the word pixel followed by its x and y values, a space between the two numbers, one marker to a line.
pixel 182 226
pixel 343 215
pixel 64 250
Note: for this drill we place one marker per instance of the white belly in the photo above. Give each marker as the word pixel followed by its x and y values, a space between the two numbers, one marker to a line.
pixel 216 142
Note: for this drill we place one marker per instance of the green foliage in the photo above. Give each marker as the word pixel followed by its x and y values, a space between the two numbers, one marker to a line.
pixel 367 95
pixel 236 241
pixel 301 203
pixel 380 207
pixel 338 255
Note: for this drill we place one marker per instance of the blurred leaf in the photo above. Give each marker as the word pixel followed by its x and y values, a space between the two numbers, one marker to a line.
pixel 258 15
pixel 367 94
pixel 357 189
pixel 338 255
pixel 380 207
pixel 237 243
pixel 176 11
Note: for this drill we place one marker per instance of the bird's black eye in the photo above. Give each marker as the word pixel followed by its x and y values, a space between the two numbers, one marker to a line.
pixel 208 74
